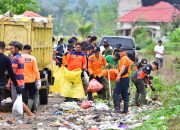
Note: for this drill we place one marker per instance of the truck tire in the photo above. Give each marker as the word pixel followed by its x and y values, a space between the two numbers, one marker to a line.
pixel 43 96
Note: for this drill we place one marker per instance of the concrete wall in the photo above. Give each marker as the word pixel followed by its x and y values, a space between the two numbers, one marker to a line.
pixel 124 7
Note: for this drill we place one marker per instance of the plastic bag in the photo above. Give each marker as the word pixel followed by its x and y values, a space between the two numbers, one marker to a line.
pixel 94 86
pixel 101 107
pixel 72 84
pixel 86 76
pixel 85 104
pixel 17 109
pixel 66 106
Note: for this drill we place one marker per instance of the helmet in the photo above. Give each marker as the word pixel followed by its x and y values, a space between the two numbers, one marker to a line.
pixel 144 61
pixel 16 44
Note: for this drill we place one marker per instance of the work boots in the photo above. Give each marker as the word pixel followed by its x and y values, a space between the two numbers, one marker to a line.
pixel 125 107
pixel 116 106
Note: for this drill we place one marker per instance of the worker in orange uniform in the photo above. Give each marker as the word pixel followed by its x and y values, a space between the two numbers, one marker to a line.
pixel 77 60
pixel 95 64
pixel 122 82
pixel 31 78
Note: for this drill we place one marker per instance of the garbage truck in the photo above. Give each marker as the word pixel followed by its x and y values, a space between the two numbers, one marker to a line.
pixel 37 32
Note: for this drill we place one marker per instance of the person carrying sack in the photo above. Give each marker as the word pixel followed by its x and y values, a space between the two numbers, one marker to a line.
pixel 96 62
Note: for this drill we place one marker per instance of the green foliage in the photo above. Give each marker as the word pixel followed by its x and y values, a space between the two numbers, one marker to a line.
pixel 143 38
pixel 172 46
pixel 104 18
pixel 84 30
pixel 69 16
pixel 18 6
pixel 175 35
pixel 163 118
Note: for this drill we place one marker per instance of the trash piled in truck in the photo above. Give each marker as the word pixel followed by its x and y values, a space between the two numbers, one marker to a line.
pixel 25 17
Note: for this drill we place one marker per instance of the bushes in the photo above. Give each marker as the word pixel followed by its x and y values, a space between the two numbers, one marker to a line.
pixel 175 35
pixel 142 38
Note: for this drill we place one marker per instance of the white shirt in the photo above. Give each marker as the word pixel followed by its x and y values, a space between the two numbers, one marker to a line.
pixel 159 49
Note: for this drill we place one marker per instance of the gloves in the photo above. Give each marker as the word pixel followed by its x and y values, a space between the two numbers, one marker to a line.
pixel 150 78
pixel 153 89
pixel 91 76
pixel 38 84
pixel 19 90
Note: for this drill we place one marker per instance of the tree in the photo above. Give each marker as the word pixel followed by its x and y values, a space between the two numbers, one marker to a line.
pixel 85 30
pixel 104 17
pixel 18 6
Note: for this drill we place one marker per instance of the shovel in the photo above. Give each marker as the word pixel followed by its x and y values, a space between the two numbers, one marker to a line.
pixel 110 91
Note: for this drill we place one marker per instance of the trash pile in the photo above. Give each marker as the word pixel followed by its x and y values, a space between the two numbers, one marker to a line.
pixel 85 115
pixel 25 17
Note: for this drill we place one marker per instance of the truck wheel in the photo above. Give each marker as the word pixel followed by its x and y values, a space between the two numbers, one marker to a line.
pixel 43 96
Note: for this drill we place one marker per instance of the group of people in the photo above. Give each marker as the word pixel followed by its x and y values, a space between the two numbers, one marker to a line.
pixel 24 77
pixel 87 56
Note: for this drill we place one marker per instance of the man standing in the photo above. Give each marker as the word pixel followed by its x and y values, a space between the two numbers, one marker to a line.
pixel 5 64
pixel 76 59
pixel 18 69
pixel 139 78
pixel 159 51
pixel 60 52
pixel 122 82
pixel 107 50
pixel 95 64
pixel 31 78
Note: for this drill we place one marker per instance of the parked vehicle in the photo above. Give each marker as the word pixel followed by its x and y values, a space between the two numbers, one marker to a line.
pixel 127 42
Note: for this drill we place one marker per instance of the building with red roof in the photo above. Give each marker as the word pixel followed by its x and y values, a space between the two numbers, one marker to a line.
pixel 152 16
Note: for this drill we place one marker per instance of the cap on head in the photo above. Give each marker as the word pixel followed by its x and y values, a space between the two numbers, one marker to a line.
pixel 122 49
pixel 70 46
pixel 27 47
pixel 91 47
pixel 105 41
pixel 96 49
pixel 16 44
pixel 71 40
pixel 156 64
pixel 144 61
pixel 119 45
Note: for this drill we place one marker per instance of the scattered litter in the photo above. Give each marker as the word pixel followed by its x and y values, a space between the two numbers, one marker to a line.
pixel 85 104
pixel 101 107
pixel 69 106
pixel 58 113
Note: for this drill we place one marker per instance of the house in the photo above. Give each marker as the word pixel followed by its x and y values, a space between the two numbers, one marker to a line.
pixel 151 18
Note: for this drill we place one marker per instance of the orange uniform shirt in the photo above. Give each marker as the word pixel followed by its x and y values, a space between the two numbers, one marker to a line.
pixel 95 65
pixel 76 60
pixel 127 62
pixel 31 71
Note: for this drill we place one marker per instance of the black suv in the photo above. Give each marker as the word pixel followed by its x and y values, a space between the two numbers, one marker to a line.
pixel 126 42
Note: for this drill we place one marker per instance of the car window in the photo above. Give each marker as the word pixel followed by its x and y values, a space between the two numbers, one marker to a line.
pixel 113 41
